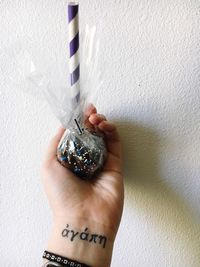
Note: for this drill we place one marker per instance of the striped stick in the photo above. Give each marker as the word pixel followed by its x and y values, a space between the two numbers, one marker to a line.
pixel 74 63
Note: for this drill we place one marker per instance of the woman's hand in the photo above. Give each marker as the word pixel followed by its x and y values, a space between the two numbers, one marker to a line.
pixel 96 204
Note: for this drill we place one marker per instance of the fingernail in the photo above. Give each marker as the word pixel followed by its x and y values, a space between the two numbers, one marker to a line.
pixel 91 105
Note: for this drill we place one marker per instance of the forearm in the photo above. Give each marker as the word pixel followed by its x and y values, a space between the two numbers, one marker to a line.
pixel 82 240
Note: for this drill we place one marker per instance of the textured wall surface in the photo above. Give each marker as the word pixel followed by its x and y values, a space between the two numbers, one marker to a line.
pixel 150 55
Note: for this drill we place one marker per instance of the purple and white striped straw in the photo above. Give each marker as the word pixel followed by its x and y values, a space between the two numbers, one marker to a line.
pixel 74 62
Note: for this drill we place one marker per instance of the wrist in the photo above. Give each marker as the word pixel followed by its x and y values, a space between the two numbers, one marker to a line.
pixel 82 240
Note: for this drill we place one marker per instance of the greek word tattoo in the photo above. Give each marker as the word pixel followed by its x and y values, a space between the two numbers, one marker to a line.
pixel 84 236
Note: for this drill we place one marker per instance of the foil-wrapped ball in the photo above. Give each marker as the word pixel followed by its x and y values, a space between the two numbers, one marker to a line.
pixel 84 154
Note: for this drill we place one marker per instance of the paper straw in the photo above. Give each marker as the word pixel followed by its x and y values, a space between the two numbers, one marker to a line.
pixel 74 62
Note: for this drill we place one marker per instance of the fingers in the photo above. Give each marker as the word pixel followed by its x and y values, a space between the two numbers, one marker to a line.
pixel 96 119
pixel 89 111
pixel 110 131
pixel 52 148
pixel 112 138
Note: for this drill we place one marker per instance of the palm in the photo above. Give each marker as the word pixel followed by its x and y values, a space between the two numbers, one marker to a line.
pixel 72 196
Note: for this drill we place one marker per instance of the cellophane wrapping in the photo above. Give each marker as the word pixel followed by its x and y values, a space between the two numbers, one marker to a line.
pixel 81 150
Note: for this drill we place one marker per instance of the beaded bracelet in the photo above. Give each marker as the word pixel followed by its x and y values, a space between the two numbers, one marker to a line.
pixel 65 262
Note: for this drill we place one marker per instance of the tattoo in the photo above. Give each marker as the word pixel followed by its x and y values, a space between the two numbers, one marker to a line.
pixel 84 236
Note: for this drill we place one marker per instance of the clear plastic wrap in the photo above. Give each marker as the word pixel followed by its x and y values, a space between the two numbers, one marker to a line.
pixel 84 153
pixel 81 150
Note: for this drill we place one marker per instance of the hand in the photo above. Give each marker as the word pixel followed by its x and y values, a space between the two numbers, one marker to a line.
pixel 96 204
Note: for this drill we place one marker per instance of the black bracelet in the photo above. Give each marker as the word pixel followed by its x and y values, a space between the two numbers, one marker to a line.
pixel 52 264
pixel 64 261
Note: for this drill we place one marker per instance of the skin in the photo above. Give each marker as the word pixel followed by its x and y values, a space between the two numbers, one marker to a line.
pixel 96 204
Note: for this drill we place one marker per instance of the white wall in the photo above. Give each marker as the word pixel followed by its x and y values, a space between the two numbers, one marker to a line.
pixel 150 55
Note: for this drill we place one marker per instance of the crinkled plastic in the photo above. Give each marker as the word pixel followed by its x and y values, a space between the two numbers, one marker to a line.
pixel 80 150
pixel 84 153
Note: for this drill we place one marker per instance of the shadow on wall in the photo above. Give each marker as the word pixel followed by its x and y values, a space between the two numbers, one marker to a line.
pixel 148 193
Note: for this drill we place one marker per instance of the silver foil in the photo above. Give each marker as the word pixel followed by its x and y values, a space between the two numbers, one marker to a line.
pixel 83 153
